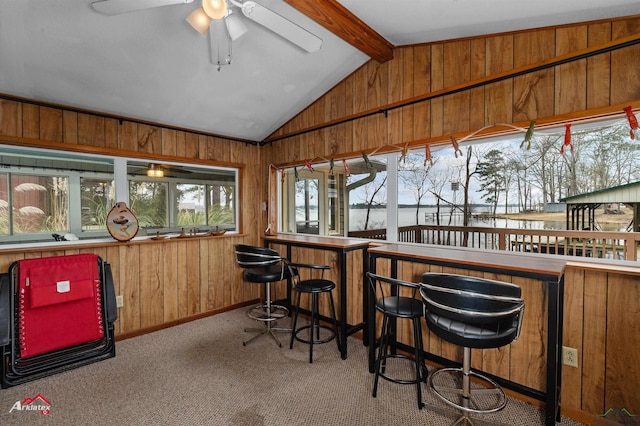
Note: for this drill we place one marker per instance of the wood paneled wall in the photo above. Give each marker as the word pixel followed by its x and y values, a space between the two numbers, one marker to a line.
pixel 87 131
pixel 163 282
pixel 561 91
pixel 602 321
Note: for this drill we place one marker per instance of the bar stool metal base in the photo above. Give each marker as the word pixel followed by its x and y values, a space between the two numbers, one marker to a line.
pixel 315 287
pixel 268 329
pixel 267 313
pixel 465 399
pixel 416 359
pixel 314 330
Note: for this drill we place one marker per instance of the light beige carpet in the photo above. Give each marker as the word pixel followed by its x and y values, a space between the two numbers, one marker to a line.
pixel 199 373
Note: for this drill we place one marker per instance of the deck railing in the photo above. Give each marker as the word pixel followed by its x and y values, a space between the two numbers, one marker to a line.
pixel 608 245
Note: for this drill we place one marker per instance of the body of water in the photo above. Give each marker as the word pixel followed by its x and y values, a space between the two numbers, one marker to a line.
pixel 427 216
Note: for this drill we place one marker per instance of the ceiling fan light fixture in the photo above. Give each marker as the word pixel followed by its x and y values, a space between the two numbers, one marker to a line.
pixel 216 9
pixel 199 20
pixel 155 171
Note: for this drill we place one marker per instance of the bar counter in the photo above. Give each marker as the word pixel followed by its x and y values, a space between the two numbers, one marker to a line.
pixel 342 247
pixel 520 264
pixel 545 269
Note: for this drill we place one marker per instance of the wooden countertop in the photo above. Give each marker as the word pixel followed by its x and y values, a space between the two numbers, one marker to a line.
pixel 319 241
pixel 550 265
pixel 525 263
pixel 623 267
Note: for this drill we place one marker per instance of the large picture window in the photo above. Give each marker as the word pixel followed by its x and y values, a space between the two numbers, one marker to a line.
pixel 45 192
pixel 379 197
pixel 185 197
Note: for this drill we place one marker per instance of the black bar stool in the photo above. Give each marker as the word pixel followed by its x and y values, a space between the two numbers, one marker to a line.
pixel 397 299
pixel 314 287
pixel 264 266
pixel 473 313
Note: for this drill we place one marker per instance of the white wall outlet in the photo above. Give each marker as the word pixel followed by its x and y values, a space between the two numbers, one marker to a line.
pixel 570 356
pixel 119 301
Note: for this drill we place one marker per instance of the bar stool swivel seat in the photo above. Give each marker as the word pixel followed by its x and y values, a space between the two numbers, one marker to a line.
pixel 472 313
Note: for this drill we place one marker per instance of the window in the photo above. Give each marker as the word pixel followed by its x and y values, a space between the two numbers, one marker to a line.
pixel 185 197
pixel 307 205
pixel 40 203
pixel 98 196
pixel 335 200
pixel 148 201
pixel 45 192
pixel 381 197
pixel 4 205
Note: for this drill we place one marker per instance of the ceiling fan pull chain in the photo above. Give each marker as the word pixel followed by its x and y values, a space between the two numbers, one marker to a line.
pixel 218 37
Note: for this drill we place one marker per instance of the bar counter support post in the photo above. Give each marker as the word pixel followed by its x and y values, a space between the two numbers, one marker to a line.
pixel 554 353
pixel 371 315
pixel 366 303
pixel 289 280
pixel 342 262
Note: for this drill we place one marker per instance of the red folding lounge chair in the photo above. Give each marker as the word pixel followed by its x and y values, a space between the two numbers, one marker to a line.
pixel 56 313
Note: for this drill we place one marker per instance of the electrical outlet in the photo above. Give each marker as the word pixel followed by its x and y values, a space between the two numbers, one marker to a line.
pixel 119 301
pixel 570 356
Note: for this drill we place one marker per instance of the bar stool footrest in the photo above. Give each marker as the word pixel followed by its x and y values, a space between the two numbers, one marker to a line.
pixel 331 336
pixel 267 313
pixel 423 368
pixel 453 396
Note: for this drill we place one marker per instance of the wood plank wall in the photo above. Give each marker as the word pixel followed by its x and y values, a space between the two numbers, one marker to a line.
pixel 575 87
pixel 165 282
pixel 602 321
pixel 162 282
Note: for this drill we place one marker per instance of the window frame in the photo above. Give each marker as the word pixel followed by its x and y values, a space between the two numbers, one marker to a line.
pixel 120 178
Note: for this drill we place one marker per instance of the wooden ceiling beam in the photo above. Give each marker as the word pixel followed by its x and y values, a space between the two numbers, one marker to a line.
pixel 344 24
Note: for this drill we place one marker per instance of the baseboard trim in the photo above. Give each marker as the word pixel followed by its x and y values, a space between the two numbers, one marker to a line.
pixel 184 320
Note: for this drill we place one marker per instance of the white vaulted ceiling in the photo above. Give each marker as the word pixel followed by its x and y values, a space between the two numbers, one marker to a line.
pixel 151 65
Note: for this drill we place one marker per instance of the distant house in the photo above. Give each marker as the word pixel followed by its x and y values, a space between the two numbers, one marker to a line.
pixel 555 207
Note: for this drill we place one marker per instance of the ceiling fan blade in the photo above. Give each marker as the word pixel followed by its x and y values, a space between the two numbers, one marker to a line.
pixel 117 7
pixel 281 26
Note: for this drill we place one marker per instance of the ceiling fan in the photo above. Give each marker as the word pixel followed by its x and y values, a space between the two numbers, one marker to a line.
pixel 157 170
pixel 220 19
